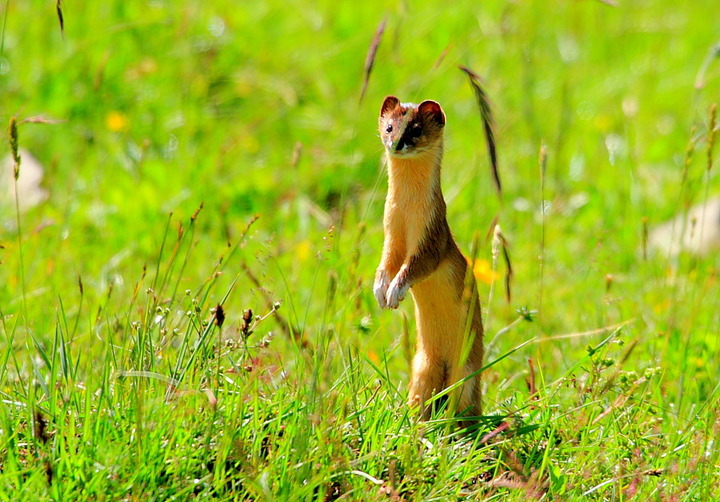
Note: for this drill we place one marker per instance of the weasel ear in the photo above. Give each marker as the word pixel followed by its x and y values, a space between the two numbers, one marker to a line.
pixel 389 104
pixel 432 108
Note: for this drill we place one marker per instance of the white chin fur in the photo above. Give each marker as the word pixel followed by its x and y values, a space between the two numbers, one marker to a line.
pixel 404 153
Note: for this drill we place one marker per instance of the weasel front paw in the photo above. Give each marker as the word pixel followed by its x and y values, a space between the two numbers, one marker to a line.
pixel 396 293
pixel 380 288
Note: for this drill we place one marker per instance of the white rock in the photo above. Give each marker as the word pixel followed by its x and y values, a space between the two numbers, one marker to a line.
pixel 697 231
pixel 30 191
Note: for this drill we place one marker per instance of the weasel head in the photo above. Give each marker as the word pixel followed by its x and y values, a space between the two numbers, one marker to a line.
pixel 408 130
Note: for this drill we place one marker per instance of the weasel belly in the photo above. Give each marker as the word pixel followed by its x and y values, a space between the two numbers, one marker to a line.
pixel 440 314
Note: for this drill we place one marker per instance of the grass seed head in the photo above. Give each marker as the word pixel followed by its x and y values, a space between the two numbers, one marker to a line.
pixel 14 145
pixel 219 315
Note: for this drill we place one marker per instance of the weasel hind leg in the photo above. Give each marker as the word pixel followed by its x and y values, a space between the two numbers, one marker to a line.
pixel 470 399
pixel 429 376
pixel 469 405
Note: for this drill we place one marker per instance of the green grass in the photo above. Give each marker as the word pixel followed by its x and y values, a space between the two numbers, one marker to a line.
pixel 116 381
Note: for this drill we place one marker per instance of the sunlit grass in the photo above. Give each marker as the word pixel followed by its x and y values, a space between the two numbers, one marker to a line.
pixel 189 313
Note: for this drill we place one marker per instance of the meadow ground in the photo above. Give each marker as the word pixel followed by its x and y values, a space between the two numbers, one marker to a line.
pixel 205 154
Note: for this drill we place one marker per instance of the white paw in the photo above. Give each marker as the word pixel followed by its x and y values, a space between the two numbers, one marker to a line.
pixel 396 293
pixel 380 288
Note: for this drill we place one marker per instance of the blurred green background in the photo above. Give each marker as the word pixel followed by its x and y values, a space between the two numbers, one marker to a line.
pixel 254 108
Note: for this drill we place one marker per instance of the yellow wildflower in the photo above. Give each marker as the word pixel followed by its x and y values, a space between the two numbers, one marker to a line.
pixel 483 272
pixel 117 121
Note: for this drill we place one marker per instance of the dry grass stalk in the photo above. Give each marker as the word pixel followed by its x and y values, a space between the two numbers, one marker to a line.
pixel 712 130
pixel 532 386
pixel 370 59
pixel 61 19
pixel 442 56
pixel 500 244
pixel 289 331
pixel 488 124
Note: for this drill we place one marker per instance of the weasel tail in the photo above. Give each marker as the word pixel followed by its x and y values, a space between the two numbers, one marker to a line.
pixel 420 255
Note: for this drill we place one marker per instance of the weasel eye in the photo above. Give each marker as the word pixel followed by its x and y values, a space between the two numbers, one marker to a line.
pixel 415 131
pixel 388 128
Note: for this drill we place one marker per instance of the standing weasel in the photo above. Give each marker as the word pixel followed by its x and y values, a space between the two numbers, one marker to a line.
pixel 420 254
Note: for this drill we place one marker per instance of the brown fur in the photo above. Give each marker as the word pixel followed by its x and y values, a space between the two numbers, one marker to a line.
pixel 420 254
